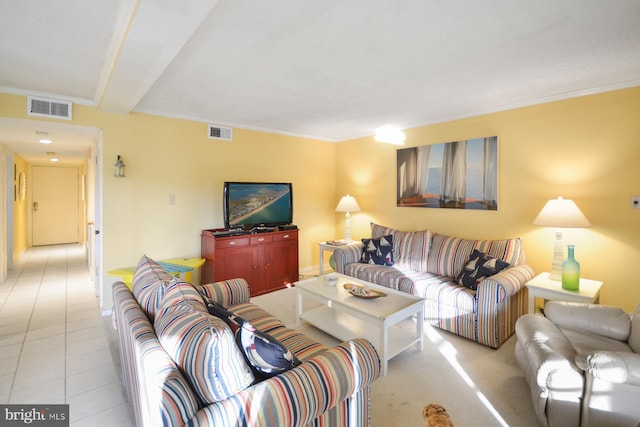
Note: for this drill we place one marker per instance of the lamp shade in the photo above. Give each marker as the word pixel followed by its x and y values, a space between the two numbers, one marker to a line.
pixel 348 204
pixel 561 213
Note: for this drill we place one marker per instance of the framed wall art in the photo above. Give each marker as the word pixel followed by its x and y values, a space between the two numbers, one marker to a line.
pixel 454 175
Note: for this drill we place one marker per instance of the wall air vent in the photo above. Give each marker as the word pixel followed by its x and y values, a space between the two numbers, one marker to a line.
pixel 42 107
pixel 220 132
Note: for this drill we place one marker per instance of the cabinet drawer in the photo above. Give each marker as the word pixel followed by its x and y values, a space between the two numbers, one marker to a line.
pixel 261 238
pixel 232 243
pixel 287 235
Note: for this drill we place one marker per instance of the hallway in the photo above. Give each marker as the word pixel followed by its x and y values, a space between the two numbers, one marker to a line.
pixel 54 344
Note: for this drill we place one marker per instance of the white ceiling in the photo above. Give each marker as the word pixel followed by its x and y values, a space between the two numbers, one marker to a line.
pixel 330 69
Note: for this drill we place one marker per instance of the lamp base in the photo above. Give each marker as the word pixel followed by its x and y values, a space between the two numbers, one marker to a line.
pixel 556 265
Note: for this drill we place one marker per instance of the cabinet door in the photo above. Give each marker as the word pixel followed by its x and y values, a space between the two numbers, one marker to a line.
pixel 281 264
pixel 240 262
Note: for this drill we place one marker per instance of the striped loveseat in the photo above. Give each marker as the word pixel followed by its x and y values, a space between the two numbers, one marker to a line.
pixel 427 264
pixel 181 365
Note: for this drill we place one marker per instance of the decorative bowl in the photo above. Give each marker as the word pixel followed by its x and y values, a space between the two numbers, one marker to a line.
pixel 330 280
pixel 363 291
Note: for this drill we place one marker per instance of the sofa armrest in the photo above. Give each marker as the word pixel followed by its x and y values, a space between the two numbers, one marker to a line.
pixel 227 292
pixel 607 321
pixel 300 395
pixel 613 366
pixel 505 284
pixel 344 255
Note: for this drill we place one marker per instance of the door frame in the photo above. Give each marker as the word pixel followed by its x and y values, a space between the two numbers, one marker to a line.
pixel 94 192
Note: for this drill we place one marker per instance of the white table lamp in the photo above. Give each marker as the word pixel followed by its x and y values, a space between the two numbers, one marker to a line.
pixel 560 213
pixel 347 204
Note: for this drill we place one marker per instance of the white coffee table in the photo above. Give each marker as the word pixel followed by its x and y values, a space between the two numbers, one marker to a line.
pixel 345 316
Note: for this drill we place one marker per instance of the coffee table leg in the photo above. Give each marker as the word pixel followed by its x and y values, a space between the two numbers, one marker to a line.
pixel 299 308
pixel 420 328
pixel 384 343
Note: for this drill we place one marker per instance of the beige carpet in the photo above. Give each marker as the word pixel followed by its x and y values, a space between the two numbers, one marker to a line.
pixel 477 385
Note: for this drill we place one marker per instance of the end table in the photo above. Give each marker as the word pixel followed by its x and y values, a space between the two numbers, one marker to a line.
pixel 543 287
pixel 331 246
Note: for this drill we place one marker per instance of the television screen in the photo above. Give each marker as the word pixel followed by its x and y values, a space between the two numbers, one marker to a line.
pixel 251 204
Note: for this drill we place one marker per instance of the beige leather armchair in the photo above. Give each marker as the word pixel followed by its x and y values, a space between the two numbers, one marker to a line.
pixel 582 364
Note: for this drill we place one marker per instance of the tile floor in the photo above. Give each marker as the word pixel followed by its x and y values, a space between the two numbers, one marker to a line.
pixel 54 343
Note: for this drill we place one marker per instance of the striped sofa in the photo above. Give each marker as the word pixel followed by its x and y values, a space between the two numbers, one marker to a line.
pixel 181 366
pixel 426 264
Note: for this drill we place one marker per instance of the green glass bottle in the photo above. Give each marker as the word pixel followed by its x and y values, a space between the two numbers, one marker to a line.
pixel 570 272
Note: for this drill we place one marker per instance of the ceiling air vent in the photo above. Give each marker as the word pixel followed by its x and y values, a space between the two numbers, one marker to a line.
pixel 43 107
pixel 219 132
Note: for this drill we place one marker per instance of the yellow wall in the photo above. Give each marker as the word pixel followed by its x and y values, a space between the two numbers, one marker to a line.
pixel 168 156
pixel 586 149
pixel 20 213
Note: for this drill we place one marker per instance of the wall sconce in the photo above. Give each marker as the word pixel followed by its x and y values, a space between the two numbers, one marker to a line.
pixel 347 204
pixel 118 168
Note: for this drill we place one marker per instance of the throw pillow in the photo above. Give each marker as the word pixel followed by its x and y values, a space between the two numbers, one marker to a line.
pixel 377 251
pixel 479 267
pixel 204 348
pixel 265 355
pixel 148 286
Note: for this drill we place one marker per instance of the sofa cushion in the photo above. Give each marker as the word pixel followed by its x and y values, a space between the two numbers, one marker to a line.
pixel 378 274
pixel 507 250
pixel 204 348
pixel 265 355
pixel 448 255
pixel 148 285
pixel 177 291
pixel 410 248
pixel 377 251
pixel 479 267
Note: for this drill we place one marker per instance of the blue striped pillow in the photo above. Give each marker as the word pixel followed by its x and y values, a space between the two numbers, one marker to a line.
pixel 148 285
pixel 204 348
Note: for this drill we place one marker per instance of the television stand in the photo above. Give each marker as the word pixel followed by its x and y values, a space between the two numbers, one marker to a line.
pixel 267 260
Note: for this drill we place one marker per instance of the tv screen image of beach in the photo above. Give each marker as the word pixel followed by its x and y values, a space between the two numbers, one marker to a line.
pixel 251 204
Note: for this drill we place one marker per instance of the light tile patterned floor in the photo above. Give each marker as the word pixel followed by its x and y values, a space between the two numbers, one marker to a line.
pixel 54 346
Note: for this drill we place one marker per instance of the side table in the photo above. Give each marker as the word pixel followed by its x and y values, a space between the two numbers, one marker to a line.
pixel 331 247
pixel 543 287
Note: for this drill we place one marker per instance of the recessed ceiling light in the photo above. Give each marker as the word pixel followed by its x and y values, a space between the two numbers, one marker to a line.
pixel 53 159
pixel 42 135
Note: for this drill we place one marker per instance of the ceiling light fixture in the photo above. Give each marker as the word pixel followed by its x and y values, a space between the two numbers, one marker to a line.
pixel 42 135
pixel 52 156
pixel 390 135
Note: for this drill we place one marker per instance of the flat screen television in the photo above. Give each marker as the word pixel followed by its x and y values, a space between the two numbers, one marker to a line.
pixel 253 204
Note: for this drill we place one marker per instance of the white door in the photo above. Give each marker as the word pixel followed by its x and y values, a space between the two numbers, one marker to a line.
pixel 55 205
